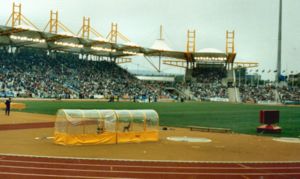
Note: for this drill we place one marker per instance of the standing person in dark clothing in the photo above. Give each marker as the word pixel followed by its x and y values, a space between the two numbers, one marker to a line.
pixel 7 109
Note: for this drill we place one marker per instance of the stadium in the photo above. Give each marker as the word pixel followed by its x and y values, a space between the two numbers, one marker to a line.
pixel 78 110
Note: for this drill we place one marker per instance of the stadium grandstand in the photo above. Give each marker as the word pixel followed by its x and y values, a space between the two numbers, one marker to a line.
pixel 56 63
pixel 85 105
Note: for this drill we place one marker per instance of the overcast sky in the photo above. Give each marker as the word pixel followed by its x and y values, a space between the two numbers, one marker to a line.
pixel 254 21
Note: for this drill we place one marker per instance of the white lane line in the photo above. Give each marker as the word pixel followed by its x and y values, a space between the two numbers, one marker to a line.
pixel 114 165
pixel 244 166
pixel 60 176
pixel 144 172
pixel 110 165
pixel 158 161
pixel 139 166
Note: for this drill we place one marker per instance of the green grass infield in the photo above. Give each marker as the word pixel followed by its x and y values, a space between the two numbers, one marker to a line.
pixel 241 118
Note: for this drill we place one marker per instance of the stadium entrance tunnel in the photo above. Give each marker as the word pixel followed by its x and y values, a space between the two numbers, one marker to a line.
pixel 80 127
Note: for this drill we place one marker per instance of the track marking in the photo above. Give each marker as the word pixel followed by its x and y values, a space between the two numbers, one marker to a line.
pixel 152 164
pixel 245 177
pixel 147 172
pixel 116 165
pixel 56 176
pixel 244 166
pixel 158 161
pixel 139 166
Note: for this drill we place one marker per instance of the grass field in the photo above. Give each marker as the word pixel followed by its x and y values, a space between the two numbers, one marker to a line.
pixel 241 118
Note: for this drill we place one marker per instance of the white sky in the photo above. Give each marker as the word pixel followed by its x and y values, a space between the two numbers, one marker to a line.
pixel 254 21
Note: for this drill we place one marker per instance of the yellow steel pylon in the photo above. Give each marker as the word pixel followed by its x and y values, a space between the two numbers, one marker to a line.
pixel 53 22
pixel 230 49
pixel 17 18
pixel 230 42
pixel 16 15
pixel 114 33
pixel 191 41
pixel 86 28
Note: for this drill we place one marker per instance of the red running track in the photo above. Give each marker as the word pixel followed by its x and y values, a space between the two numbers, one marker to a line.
pixel 24 167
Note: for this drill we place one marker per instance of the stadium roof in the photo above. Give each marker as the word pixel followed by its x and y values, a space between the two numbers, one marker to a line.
pixel 160 44
pixel 210 50
pixel 28 37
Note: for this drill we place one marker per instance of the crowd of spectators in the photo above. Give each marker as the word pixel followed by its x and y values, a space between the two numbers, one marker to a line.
pixel 35 73
pixel 38 73
pixel 287 94
pixel 257 93
pixel 207 83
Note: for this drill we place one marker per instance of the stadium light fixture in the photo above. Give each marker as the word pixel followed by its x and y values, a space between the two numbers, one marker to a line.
pixel 28 39
pixel 132 53
pixel 66 44
pixel 131 44
pixel 103 49
pixel 210 58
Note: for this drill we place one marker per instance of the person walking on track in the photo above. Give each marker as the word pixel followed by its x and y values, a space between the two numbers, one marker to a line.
pixel 7 104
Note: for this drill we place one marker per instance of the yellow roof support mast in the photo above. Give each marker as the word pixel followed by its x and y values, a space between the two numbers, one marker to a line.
pixel 16 15
pixel 53 22
pixel 231 54
pixel 114 34
pixel 190 48
pixel 230 42
pixel 230 49
pixel 17 18
pixel 191 41
pixel 86 28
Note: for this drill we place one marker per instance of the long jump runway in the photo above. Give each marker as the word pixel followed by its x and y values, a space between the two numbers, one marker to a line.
pixel 24 167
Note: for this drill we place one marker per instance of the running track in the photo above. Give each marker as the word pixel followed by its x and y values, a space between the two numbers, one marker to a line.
pixel 24 167
pixel 33 167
